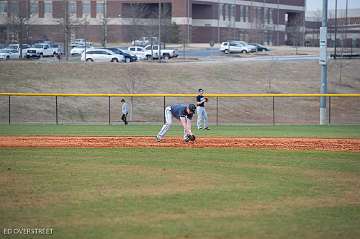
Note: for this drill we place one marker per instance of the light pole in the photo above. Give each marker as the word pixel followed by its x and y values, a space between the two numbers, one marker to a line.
pixel 66 29
pixel 323 63
pixel 335 43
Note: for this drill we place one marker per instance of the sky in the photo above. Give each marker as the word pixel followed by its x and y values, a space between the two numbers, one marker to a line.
pixel 313 5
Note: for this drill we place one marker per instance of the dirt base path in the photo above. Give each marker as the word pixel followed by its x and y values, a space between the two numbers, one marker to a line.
pixel 352 145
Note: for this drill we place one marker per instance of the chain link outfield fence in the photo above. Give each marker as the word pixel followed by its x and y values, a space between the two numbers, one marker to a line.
pixel 222 109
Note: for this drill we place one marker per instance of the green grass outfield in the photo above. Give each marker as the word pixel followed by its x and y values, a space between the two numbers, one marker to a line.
pixel 332 131
pixel 181 193
pixel 177 193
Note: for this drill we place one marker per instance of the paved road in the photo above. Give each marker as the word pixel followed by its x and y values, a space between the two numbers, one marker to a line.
pixel 215 54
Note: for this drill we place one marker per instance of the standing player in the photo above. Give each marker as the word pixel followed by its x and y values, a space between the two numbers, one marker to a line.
pixel 184 114
pixel 124 111
pixel 201 112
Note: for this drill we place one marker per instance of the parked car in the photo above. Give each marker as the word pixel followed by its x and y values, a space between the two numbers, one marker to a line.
pixel 7 54
pixel 152 52
pixel 79 42
pixel 236 47
pixel 40 50
pixel 16 47
pixel 144 41
pixel 78 50
pixel 127 57
pixel 101 55
pixel 138 51
pixel 56 49
pixel 260 47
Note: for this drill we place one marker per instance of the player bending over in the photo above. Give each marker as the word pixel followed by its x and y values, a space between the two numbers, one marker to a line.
pixel 184 114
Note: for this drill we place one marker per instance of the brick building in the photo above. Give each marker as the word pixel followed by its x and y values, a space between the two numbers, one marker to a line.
pixel 347 28
pixel 273 22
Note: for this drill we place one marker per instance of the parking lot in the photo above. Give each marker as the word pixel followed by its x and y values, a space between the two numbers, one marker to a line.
pixel 177 53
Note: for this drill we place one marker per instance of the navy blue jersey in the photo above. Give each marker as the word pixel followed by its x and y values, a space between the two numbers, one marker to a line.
pixel 179 110
pixel 199 98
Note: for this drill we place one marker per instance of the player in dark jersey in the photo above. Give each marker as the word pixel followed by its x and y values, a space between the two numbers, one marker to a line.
pixel 201 112
pixel 182 112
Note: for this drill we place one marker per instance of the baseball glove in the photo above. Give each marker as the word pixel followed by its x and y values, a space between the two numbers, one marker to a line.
pixel 189 138
pixel 206 99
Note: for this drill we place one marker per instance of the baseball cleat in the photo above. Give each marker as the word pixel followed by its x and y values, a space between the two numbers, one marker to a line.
pixel 207 128
pixel 157 138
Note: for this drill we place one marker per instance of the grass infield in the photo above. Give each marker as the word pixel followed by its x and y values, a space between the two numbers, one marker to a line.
pixel 332 131
pixel 181 193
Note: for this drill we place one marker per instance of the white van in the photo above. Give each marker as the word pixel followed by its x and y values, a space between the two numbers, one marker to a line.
pixel 236 47
pixel 101 55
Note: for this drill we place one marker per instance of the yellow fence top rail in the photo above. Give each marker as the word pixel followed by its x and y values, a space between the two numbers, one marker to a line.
pixel 177 95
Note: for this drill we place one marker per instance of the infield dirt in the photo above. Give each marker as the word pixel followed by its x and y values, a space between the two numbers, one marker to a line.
pixel 352 145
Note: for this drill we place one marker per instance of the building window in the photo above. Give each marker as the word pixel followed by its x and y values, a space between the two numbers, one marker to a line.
pixel 86 8
pixel 13 8
pixel 72 7
pixel 229 12
pixel 3 7
pixel 244 13
pixel 34 8
pixel 48 8
pixel 233 11
pixel 224 11
pixel 99 8
pixel 241 13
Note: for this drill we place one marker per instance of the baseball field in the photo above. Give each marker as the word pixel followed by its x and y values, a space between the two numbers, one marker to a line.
pixel 97 181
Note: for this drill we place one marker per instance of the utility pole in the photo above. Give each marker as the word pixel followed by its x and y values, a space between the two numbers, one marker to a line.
pixel 105 24
pixel 218 23
pixel 188 21
pixel 278 23
pixel 323 63
pixel 159 55
pixel 346 21
pixel 66 29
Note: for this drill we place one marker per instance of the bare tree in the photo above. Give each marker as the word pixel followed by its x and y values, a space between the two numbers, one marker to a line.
pixel 17 23
pixel 295 33
pixel 257 22
pixel 138 12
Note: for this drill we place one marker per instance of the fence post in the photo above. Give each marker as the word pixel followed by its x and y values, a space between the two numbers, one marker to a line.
pixel 329 110
pixel 9 110
pixel 164 106
pixel 56 110
pixel 132 108
pixel 109 112
pixel 273 110
pixel 217 110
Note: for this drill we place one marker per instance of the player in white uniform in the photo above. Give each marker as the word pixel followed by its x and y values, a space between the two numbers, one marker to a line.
pixel 181 112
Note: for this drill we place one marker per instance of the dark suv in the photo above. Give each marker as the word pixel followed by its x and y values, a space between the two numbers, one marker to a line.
pixel 127 57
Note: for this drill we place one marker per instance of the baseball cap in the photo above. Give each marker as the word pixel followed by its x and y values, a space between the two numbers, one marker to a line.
pixel 200 90
pixel 192 108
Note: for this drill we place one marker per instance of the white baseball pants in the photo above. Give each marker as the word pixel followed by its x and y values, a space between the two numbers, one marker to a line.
pixel 167 125
pixel 201 117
